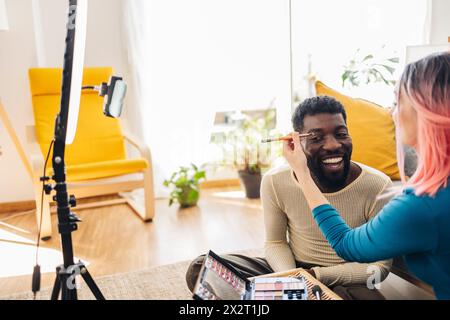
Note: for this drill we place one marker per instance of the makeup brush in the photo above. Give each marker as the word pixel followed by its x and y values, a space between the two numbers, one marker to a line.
pixel 317 291
pixel 286 138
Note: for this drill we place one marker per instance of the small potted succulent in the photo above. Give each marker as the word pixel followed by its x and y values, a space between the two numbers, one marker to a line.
pixel 185 186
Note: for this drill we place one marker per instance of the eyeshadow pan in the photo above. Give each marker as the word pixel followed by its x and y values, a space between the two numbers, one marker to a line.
pixel 278 293
pixel 260 287
pixel 278 285
pixel 270 286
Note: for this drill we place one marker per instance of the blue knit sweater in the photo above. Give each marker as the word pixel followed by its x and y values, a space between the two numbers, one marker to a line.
pixel 416 227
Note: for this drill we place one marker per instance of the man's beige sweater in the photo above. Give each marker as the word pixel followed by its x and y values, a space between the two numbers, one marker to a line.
pixel 292 234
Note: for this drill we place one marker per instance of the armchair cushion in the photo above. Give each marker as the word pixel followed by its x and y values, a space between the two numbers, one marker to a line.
pixel 105 169
pixel 99 139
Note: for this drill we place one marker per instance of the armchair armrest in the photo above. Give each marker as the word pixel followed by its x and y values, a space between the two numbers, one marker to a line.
pixel 35 154
pixel 15 139
pixel 143 148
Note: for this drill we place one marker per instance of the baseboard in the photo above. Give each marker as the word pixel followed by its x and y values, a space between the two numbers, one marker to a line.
pixel 19 206
pixel 220 183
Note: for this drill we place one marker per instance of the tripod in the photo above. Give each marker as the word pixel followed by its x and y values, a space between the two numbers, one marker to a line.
pixel 67 221
pixel 66 273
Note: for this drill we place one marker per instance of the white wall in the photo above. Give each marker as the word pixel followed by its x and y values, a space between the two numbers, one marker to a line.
pixel 17 54
pixel 29 44
pixel 36 39
pixel 440 22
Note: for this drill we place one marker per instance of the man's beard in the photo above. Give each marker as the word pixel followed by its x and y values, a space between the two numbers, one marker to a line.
pixel 326 180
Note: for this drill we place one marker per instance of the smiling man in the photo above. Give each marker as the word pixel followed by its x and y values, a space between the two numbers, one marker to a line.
pixel 293 239
pixel 330 147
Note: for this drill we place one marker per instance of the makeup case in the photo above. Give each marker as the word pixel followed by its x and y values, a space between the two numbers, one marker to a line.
pixel 220 281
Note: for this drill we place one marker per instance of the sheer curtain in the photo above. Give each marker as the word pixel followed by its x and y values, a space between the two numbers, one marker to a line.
pixel 190 59
pixel 176 121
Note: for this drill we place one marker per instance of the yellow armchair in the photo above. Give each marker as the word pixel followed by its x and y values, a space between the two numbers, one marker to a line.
pixel 98 152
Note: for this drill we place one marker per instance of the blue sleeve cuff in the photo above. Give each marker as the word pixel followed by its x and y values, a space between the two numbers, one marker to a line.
pixel 322 208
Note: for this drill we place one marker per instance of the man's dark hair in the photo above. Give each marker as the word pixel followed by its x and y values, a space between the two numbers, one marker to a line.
pixel 316 105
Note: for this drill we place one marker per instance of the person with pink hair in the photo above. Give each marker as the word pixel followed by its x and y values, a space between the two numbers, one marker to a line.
pixel 416 222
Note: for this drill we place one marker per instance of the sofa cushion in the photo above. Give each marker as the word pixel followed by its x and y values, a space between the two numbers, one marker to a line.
pixel 372 130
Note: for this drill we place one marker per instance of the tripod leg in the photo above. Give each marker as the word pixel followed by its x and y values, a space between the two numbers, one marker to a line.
pixel 68 289
pixel 91 284
pixel 56 286
pixel 64 291
pixel 71 294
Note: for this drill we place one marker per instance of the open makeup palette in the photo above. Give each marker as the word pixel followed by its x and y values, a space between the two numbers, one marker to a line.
pixel 220 281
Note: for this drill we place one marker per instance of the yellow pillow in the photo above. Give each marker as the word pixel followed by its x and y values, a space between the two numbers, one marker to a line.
pixel 372 130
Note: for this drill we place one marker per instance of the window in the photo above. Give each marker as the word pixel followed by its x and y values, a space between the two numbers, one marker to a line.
pixel 327 35
pixel 194 59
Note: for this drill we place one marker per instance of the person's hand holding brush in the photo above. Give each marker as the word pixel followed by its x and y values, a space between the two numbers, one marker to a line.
pixel 295 155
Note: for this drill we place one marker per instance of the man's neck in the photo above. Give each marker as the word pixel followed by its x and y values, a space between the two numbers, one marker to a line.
pixel 353 174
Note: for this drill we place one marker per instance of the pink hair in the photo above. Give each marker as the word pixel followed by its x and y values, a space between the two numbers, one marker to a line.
pixel 427 83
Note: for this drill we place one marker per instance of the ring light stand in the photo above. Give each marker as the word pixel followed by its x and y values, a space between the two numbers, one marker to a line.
pixel 65 128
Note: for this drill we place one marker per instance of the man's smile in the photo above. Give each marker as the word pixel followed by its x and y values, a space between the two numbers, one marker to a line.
pixel 333 163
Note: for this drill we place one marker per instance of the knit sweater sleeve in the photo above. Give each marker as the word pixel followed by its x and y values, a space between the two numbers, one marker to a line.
pixel 277 250
pixel 353 273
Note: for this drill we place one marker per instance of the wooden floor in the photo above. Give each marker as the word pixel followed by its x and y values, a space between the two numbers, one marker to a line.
pixel 114 240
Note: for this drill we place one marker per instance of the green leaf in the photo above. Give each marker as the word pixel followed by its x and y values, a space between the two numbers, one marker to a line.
pixel 175 193
pixel 394 60
pixel 344 77
pixel 182 181
pixel 380 76
pixel 369 56
pixel 184 169
pixel 354 80
pixel 388 68
pixel 192 196
pixel 173 176
pixel 199 175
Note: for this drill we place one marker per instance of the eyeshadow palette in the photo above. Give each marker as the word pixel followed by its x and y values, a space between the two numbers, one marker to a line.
pixel 220 281
pixel 279 289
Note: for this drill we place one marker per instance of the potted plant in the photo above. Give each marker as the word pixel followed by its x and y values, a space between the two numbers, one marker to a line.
pixel 370 68
pixel 243 150
pixel 377 69
pixel 185 186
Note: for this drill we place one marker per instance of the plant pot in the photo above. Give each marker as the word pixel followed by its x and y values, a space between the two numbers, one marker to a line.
pixel 251 182
pixel 189 197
